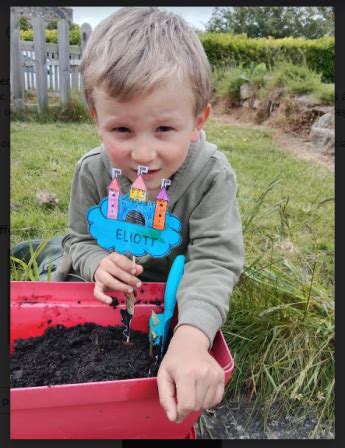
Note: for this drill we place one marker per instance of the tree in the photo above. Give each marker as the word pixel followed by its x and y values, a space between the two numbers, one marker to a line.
pixel 276 21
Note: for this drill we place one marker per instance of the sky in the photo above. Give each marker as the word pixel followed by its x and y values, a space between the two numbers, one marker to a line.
pixel 197 16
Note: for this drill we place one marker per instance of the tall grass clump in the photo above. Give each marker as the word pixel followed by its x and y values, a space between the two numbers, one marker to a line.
pixel 281 329
pixel 297 79
pixel 28 269
pixel 227 82
pixel 294 79
pixel 73 111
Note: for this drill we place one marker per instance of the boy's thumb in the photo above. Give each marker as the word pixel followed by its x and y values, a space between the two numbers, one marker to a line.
pixel 166 390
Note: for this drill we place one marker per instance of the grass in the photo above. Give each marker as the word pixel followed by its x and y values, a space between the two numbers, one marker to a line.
pixel 74 110
pixel 281 323
pixel 43 157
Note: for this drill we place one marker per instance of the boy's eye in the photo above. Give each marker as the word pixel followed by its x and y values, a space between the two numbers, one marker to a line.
pixel 121 129
pixel 164 129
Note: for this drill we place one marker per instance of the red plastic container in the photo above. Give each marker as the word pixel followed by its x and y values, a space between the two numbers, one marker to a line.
pixel 121 409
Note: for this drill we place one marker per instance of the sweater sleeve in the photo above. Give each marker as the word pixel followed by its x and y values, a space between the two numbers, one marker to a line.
pixel 214 258
pixel 84 251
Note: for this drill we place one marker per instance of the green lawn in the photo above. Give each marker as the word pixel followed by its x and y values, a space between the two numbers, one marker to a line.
pixel 281 323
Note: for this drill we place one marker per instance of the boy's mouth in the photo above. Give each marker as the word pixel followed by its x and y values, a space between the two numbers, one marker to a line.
pixel 149 174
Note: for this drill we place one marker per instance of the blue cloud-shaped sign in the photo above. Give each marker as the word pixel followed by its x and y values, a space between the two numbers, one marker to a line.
pixel 124 237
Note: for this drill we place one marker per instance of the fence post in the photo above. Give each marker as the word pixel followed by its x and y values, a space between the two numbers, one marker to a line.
pixel 75 69
pixel 16 66
pixel 40 64
pixel 64 68
pixel 85 31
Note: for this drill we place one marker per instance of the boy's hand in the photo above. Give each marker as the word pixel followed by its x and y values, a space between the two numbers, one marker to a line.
pixel 116 273
pixel 189 378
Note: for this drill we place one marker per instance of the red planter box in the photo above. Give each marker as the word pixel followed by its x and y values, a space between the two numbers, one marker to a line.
pixel 122 409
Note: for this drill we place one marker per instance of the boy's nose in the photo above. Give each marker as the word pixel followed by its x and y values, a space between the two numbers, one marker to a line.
pixel 143 154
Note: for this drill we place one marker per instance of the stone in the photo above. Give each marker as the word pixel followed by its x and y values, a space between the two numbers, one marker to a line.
pixel 257 103
pixel 321 110
pixel 247 91
pixel 306 101
pixel 247 103
pixel 323 139
pixel 322 133
pixel 325 121
pixel 44 197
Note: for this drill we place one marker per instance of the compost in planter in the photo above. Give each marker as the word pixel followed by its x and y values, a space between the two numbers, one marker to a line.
pixel 81 354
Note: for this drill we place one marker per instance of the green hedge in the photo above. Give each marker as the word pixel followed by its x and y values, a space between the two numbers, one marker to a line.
pixel 51 36
pixel 225 48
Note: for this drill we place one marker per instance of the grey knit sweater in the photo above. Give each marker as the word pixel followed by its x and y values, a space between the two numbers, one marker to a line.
pixel 203 196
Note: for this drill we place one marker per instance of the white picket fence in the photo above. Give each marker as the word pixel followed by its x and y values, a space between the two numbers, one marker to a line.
pixel 28 54
pixel 45 68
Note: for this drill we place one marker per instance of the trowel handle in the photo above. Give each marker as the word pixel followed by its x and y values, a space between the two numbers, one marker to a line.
pixel 173 281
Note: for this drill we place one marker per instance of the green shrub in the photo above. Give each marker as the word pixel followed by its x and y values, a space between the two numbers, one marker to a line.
pixel 224 49
pixel 325 94
pixel 255 75
pixel 52 36
pixel 297 79
pixel 227 82
pixel 24 24
pixel 53 24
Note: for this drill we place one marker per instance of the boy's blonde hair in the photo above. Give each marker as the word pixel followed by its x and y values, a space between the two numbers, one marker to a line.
pixel 137 48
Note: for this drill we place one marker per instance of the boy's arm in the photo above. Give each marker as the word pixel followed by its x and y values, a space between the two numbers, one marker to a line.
pixel 86 192
pixel 189 378
pixel 215 256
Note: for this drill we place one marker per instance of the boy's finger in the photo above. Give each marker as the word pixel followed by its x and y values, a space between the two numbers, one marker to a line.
pixel 202 390
pixel 185 392
pixel 219 394
pixel 213 396
pixel 113 284
pixel 125 263
pixel 99 294
pixel 120 275
pixel 138 269
pixel 166 390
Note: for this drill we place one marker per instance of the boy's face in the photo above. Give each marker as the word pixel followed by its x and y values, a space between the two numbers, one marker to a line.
pixel 154 130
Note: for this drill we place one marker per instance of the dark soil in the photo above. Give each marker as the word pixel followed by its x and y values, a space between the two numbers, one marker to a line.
pixel 81 354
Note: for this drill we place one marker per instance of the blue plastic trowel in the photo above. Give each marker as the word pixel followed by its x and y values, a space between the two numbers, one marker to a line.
pixel 159 324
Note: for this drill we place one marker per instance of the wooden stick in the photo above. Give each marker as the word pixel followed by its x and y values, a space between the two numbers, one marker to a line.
pixel 130 300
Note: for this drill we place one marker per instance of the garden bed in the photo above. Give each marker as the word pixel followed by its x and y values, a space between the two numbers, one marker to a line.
pixel 81 354
pixel 89 407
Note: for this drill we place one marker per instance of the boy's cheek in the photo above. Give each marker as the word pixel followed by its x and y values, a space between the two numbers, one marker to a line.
pixel 117 154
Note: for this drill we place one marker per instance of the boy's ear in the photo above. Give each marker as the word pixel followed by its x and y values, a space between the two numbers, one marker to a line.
pixel 200 120
pixel 94 117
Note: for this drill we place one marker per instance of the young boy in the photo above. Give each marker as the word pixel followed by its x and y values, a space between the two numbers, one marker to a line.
pixel 146 81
